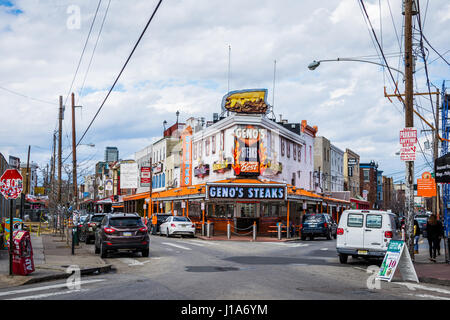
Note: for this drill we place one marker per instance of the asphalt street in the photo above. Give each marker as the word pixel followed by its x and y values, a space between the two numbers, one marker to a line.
pixel 190 269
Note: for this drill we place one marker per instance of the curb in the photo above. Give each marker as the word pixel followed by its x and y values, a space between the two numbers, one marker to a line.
pixel 442 282
pixel 59 276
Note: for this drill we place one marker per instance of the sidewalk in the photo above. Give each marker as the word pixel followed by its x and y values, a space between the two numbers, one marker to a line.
pixel 52 256
pixel 431 272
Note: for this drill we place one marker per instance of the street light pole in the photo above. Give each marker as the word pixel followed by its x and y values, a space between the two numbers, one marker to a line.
pixel 313 65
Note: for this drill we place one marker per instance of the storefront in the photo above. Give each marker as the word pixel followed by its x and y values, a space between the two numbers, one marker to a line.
pixel 239 202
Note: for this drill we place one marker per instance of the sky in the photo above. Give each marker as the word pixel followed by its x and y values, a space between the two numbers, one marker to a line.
pixel 181 64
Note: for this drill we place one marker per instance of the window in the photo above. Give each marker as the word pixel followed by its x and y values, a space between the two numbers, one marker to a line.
pixel 294 151
pixel 293 179
pixel 195 150
pixel 222 144
pixel 374 221
pixel 355 220
pixel 181 219
pixel 288 149
pixel 310 154
pixel 126 222
pixel 282 147
pixel 350 171
pixel 200 149
pixel 366 173
pixel 207 146
pixel 213 144
pixel 299 153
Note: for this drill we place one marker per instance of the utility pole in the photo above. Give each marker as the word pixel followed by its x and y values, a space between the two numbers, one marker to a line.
pixel 74 154
pixel 435 202
pixel 150 202
pixel 27 179
pixel 60 148
pixel 409 123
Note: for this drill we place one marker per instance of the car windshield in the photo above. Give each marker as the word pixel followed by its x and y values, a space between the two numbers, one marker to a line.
pixel 126 222
pixel 314 218
pixel 181 219
pixel 97 218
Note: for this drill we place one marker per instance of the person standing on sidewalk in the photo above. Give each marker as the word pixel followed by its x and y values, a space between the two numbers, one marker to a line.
pixel 433 235
pixel 154 223
pixel 416 236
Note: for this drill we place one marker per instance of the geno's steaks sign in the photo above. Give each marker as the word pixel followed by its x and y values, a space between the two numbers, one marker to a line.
pixel 246 192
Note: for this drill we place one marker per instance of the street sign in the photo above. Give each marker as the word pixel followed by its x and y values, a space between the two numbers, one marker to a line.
pixel 11 184
pixel 408 140
pixel 426 187
pixel 442 169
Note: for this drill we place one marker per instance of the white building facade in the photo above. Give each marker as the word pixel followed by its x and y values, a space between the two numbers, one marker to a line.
pixel 337 168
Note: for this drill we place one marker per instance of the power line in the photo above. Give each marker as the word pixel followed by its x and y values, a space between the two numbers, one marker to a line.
pixel 118 76
pixel 95 47
pixel 25 96
pixel 82 52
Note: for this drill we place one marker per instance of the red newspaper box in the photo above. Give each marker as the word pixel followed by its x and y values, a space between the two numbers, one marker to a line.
pixel 22 253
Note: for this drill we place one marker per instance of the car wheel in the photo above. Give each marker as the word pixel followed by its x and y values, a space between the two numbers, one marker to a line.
pixel 335 236
pixel 329 235
pixel 303 238
pixel 167 232
pixel 145 253
pixel 103 252
pixel 343 258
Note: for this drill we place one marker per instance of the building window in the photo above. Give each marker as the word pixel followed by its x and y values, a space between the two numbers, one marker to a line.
pixel 293 179
pixel 207 146
pixel 294 151
pixel 299 154
pixel 288 149
pixel 213 144
pixel 195 150
pixel 310 154
pixel 200 149
pixel 282 147
pixel 222 144
pixel 366 173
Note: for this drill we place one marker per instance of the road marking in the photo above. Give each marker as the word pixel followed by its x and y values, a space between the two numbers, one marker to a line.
pixel 7 293
pixel 194 243
pixel 175 245
pixel 413 286
pixel 133 262
pixel 204 242
pixel 429 296
pixel 46 295
pixel 324 249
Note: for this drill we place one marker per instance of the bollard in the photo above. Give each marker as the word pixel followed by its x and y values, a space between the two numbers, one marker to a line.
pixel 254 230
pixel 229 230
pixel 288 231
pixel 203 229
pixel 208 225
pixel 279 230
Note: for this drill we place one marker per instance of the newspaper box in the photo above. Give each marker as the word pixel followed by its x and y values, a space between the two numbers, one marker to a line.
pixel 22 253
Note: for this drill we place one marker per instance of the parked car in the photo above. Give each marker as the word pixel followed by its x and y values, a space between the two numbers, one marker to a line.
pixel 87 232
pixel 122 231
pixel 318 225
pixel 422 220
pixel 365 233
pixel 175 225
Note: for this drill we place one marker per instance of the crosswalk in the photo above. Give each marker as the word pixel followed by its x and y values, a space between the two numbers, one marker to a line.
pixel 47 291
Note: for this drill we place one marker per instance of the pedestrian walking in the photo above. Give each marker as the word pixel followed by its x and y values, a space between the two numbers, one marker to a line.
pixel 434 231
pixel 416 236
pixel 154 223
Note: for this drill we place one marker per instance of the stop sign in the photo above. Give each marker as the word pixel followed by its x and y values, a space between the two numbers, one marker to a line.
pixel 11 184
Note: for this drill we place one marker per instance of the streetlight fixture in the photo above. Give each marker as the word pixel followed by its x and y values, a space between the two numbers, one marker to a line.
pixel 313 65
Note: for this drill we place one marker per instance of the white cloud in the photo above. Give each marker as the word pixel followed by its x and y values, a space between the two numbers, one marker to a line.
pixel 182 62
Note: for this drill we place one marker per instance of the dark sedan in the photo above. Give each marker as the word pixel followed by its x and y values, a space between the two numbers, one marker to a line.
pixel 319 224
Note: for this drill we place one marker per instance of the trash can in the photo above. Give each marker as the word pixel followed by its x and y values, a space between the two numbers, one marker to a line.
pixel 23 263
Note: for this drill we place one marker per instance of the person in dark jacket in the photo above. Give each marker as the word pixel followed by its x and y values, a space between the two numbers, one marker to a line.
pixel 434 232
pixel 416 236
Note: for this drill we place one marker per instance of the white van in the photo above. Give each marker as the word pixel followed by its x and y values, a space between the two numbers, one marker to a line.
pixel 365 233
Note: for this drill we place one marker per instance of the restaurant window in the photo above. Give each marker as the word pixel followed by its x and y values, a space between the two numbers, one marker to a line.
pixel 270 209
pixel 221 210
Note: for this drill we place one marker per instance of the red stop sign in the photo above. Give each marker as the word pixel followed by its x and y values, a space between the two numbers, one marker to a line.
pixel 11 184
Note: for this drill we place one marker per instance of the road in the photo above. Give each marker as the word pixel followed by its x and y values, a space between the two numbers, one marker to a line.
pixel 191 269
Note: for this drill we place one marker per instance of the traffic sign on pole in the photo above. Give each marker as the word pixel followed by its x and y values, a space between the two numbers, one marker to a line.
pixel 11 184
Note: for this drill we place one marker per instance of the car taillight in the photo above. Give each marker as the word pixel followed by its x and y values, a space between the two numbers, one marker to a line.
pixel 325 225
pixel 172 225
pixel 193 226
pixel 143 229
pixel 388 234
pixel 340 231
pixel 109 230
